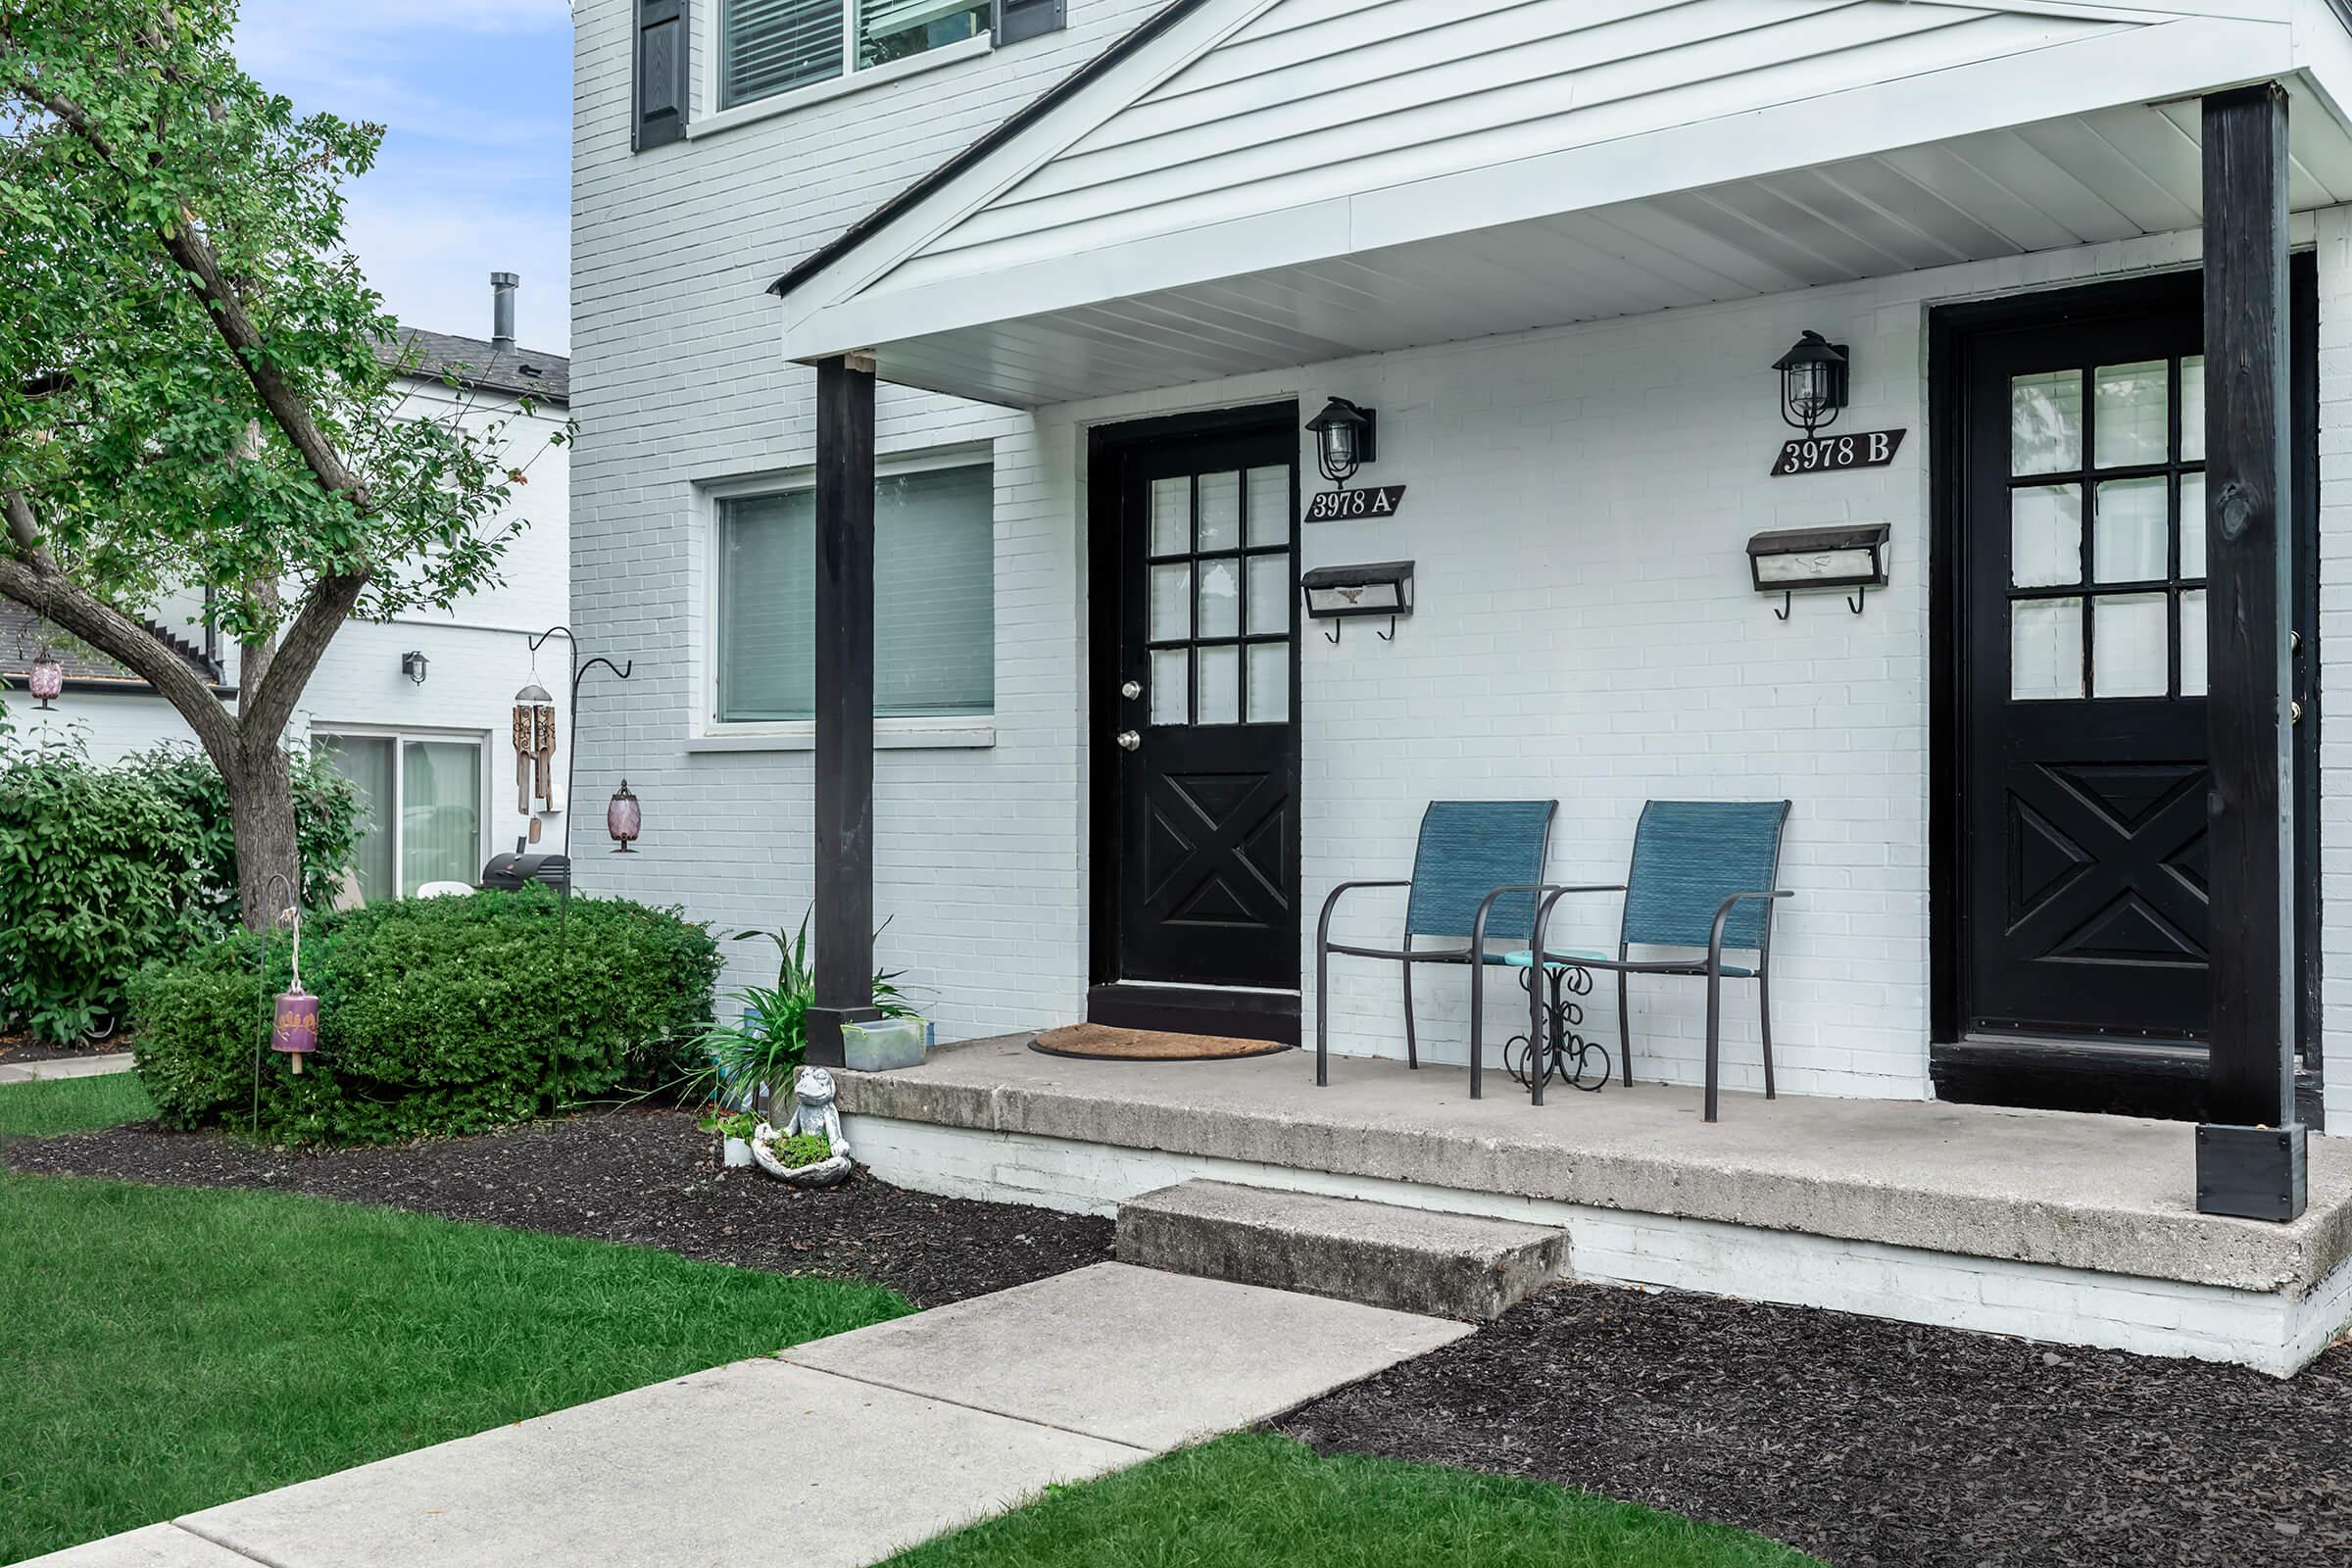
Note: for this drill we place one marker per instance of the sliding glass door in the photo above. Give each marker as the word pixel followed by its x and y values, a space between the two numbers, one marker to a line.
pixel 422 797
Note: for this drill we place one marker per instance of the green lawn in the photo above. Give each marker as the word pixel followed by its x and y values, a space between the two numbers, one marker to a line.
pixel 163 1349
pixel 1256 1500
pixel 71 1105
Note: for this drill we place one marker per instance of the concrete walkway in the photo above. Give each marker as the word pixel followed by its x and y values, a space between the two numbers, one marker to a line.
pixel 33 1072
pixel 839 1452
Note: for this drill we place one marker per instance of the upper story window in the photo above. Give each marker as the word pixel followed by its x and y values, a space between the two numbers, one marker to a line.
pixel 771 46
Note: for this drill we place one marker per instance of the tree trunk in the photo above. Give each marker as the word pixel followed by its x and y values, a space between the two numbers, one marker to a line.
pixel 261 809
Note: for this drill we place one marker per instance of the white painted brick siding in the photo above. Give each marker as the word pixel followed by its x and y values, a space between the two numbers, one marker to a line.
pixel 1578 504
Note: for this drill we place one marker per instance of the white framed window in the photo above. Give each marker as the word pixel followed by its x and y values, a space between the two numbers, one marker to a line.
pixel 424 798
pixel 934 596
pixel 768 47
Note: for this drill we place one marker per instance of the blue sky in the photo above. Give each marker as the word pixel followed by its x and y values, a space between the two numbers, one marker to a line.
pixel 476 171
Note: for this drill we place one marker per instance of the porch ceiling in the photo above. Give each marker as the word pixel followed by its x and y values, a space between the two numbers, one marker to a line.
pixel 2108 174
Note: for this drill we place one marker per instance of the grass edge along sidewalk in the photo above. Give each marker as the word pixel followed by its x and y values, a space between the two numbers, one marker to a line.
pixel 1259 1498
pixel 169 1348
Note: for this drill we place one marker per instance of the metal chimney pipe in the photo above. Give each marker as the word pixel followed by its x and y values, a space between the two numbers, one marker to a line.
pixel 502 309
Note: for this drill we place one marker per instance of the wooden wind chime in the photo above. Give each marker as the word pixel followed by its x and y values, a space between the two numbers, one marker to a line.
pixel 534 754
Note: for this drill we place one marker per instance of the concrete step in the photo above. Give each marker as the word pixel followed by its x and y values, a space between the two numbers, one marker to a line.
pixel 1410 1259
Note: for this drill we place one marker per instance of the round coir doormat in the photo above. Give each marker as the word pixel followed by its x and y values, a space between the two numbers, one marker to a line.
pixel 1097 1042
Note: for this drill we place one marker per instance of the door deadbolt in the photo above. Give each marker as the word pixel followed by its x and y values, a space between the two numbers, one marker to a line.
pixel 1129 739
pixel 1131 690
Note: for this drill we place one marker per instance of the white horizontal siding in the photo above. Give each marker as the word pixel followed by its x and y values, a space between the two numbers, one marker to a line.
pixel 1317 100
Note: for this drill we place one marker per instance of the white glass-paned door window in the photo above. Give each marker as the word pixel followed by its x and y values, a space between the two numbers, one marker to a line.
pixel 440 812
pixel 933 599
pixel 367 761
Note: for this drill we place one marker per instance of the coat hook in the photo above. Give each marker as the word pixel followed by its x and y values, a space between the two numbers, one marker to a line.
pixel 1389 635
pixel 1333 635
pixel 1855 603
pixel 1788 602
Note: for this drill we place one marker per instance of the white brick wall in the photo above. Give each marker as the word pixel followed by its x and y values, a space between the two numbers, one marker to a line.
pixel 2275 1331
pixel 1578 504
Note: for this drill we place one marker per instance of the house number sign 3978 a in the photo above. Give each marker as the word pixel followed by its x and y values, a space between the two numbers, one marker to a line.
pixel 1827 454
pixel 1377 501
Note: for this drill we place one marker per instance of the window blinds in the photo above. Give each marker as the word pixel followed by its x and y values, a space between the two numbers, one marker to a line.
pixel 934 600
pixel 766 46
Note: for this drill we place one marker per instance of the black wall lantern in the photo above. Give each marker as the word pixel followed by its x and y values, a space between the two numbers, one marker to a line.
pixel 1846 556
pixel 1346 437
pixel 412 664
pixel 1343 593
pixel 1813 383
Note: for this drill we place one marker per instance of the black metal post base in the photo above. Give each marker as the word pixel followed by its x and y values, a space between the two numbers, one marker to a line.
pixel 824 1032
pixel 2252 1172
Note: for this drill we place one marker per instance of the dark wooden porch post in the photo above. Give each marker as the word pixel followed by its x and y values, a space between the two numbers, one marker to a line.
pixel 845 704
pixel 2251 1154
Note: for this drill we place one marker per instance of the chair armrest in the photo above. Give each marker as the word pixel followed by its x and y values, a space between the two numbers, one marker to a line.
pixel 1486 906
pixel 1723 917
pixel 1553 896
pixel 1323 922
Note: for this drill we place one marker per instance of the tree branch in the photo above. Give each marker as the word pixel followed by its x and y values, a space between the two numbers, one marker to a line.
pixel 27 576
pixel 234 321
pixel 268 702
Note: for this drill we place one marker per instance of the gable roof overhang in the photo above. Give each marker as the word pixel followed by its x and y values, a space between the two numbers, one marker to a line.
pixel 1251 184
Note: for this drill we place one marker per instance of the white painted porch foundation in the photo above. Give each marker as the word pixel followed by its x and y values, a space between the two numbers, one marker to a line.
pixel 2276 1330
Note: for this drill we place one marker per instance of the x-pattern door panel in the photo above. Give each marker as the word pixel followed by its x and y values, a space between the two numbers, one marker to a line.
pixel 1207 787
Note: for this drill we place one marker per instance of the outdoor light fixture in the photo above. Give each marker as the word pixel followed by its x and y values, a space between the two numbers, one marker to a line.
pixel 625 819
pixel 1813 383
pixel 412 664
pixel 1847 556
pixel 1346 437
pixel 1343 593
pixel 47 677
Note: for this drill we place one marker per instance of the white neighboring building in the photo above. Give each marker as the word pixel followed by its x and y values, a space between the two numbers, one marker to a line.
pixel 428 744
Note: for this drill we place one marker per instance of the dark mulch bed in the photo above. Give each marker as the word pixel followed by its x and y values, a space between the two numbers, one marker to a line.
pixel 23 1047
pixel 638 1176
pixel 1869 1443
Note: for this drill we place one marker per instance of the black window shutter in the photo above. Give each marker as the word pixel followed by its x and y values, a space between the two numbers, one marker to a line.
pixel 1026 19
pixel 661 116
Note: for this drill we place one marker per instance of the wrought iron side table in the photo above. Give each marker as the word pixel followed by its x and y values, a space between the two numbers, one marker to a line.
pixel 1564 1053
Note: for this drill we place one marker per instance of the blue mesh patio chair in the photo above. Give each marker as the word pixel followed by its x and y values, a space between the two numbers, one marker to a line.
pixel 1476 874
pixel 1702 877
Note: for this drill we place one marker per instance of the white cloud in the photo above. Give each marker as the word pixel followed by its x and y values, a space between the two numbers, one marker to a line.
pixel 474 173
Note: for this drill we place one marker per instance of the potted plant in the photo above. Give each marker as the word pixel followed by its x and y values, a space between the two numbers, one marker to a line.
pixel 746 1062
pixel 735 1129
pixel 809 1149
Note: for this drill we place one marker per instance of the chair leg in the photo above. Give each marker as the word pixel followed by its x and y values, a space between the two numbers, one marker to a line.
pixel 1625 1030
pixel 1412 1044
pixel 1764 1010
pixel 1535 1033
pixel 1322 1015
pixel 1714 1024
pixel 1478 1016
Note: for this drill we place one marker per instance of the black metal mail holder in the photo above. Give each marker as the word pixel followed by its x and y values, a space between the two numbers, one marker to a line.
pixel 1564 1053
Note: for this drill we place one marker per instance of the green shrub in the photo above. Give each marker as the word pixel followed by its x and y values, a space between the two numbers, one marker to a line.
pixel 327 814
pixel 803 1149
pixel 436 1017
pixel 97 876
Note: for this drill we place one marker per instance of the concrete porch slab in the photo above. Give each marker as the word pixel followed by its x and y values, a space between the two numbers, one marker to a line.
pixel 846 1473
pixel 1131 1354
pixel 2102 1193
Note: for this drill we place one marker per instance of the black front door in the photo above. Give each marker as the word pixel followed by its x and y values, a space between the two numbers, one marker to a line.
pixel 2081 757
pixel 1198 691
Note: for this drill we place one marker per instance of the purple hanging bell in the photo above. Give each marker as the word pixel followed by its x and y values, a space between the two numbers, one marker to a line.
pixel 296 1033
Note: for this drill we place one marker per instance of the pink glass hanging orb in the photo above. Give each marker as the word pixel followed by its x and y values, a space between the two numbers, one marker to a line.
pixel 625 819
pixel 47 677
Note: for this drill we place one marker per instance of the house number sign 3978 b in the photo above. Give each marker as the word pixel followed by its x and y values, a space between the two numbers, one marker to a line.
pixel 1827 454
pixel 1376 501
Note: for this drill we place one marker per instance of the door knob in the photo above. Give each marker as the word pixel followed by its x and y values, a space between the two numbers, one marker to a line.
pixel 1131 690
pixel 1129 739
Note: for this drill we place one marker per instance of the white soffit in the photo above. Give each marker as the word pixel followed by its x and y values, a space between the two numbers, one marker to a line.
pixel 1335 177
